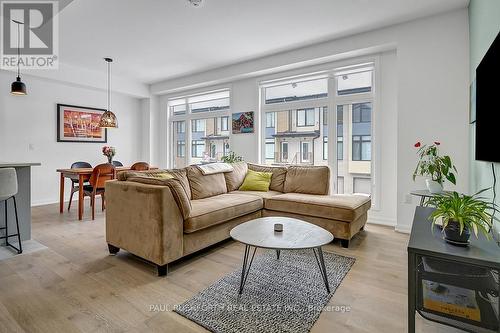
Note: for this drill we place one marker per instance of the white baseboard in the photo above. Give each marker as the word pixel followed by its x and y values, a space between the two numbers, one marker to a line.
pixel 382 221
pixel 51 202
pixel 403 229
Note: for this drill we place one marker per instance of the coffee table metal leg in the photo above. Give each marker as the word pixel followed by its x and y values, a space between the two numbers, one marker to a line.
pixel 322 267
pixel 246 267
pixel 278 252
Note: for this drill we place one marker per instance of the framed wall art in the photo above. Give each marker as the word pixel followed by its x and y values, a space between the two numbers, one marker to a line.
pixel 80 124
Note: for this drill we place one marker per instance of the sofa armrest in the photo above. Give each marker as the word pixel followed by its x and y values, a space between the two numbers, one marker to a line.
pixel 144 220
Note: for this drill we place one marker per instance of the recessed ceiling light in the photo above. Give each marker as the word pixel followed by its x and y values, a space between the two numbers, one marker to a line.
pixel 195 3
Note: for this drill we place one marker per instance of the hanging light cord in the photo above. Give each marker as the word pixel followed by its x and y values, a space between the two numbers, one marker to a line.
pixel 18 50
pixel 109 86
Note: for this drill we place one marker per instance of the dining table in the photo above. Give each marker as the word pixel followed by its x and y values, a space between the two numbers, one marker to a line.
pixel 82 175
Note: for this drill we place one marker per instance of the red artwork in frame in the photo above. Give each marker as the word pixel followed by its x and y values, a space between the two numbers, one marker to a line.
pixel 80 124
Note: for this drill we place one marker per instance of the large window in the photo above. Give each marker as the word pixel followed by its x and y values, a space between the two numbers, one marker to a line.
pixel 300 127
pixel 207 136
pixel 305 117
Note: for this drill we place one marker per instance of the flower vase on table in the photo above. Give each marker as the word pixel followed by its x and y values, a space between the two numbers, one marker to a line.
pixel 109 152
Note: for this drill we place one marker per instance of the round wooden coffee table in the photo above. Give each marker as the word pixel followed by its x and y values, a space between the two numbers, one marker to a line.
pixel 296 235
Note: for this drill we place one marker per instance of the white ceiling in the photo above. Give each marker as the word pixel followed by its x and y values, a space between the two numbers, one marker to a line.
pixel 152 40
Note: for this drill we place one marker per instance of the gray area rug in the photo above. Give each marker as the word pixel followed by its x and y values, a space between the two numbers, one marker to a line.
pixel 285 295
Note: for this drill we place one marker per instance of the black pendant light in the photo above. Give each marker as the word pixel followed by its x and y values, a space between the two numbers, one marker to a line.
pixel 108 118
pixel 18 88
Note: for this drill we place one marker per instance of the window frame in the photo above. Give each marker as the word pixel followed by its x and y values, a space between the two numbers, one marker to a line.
pixel 284 143
pixel 193 145
pixel 188 116
pixel 178 145
pixel 273 119
pixel 302 143
pixel 362 139
pixel 306 117
pixel 227 124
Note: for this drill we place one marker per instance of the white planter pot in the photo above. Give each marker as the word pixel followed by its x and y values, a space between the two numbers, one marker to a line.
pixel 433 186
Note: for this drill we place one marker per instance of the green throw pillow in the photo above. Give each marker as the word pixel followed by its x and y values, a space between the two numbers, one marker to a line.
pixel 256 181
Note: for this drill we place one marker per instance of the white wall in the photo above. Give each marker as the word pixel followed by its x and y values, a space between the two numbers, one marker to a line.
pixel 433 63
pixel 425 85
pixel 32 119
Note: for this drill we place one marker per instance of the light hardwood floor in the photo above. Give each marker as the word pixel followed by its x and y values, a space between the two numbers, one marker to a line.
pixel 75 286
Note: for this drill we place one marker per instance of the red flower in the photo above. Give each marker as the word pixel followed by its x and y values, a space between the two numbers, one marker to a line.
pixel 437 143
pixel 417 145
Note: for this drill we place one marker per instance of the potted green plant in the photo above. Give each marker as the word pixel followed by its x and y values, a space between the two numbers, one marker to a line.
pixel 437 168
pixel 460 214
pixel 231 158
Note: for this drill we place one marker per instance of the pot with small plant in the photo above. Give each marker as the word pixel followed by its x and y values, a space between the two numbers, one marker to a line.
pixel 231 158
pixel 460 214
pixel 434 166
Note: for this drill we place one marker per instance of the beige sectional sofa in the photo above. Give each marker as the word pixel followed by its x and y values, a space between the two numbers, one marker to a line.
pixel 163 218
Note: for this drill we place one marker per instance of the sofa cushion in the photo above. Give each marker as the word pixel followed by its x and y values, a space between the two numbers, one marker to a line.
pixel 179 174
pixel 307 180
pixel 263 195
pixel 343 207
pixel 211 211
pixel 256 181
pixel 204 186
pixel 278 178
pixel 235 178
pixel 175 186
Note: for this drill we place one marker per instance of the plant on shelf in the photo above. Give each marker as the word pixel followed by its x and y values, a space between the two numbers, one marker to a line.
pixel 437 168
pixel 109 152
pixel 231 158
pixel 461 213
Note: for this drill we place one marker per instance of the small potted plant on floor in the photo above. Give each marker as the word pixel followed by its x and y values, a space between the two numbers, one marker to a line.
pixel 437 168
pixel 460 214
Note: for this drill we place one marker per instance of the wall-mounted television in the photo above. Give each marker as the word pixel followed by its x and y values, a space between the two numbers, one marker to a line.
pixel 488 105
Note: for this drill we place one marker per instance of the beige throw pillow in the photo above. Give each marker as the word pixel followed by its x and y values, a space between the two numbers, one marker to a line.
pixel 205 186
pixel 235 178
pixel 307 180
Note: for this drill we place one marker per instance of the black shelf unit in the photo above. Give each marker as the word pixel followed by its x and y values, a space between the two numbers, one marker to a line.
pixel 474 268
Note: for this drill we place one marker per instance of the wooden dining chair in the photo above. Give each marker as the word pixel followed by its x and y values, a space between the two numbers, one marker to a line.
pixel 74 182
pixel 117 163
pixel 140 166
pixel 100 174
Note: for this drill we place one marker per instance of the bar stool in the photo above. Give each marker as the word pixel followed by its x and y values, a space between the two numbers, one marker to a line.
pixel 8 190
